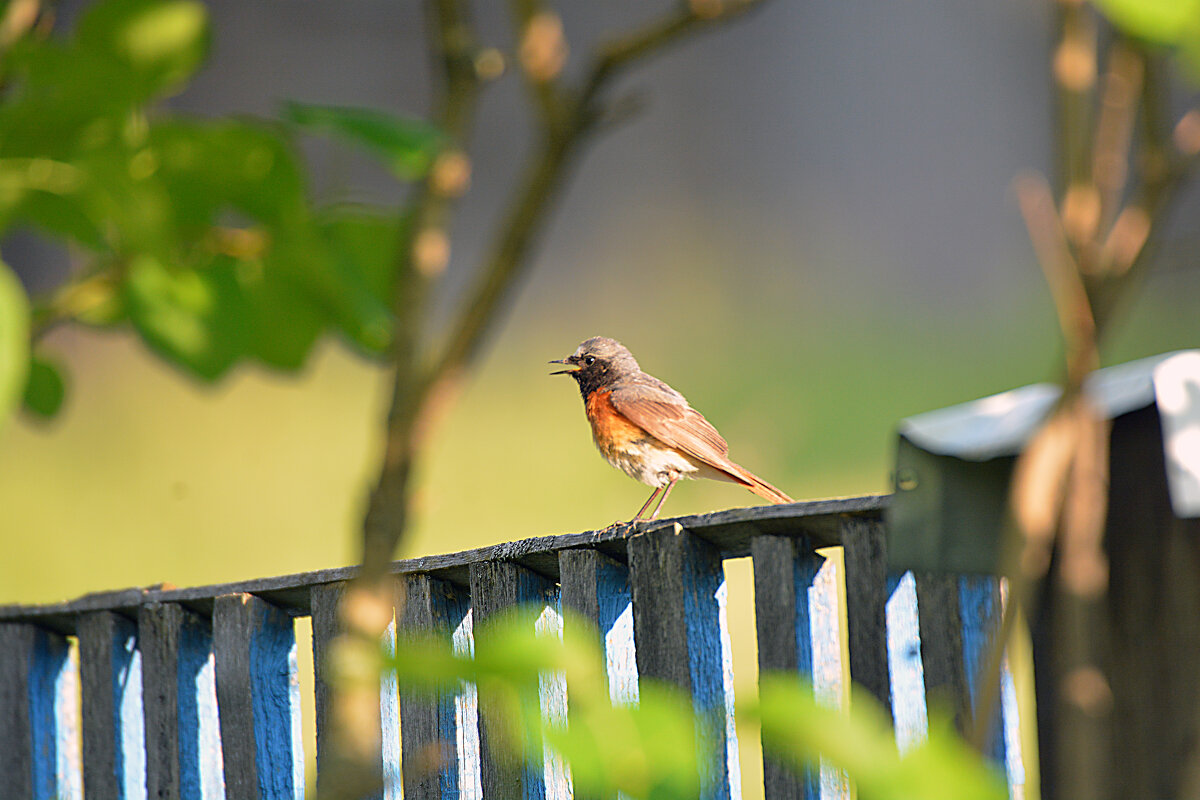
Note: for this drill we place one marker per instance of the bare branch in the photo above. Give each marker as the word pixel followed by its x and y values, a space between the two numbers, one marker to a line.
pixel 545 175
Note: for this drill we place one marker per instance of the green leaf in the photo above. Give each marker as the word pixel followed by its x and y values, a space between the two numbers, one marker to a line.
pixel 196 319
pixel 45 389
pixel 286 322
pixel 318 269
pixel 214 167
pixel 162 41
pixel 407 145
pixel 14 342
pixel 366 243
pixel 860 741
pixel 1162 21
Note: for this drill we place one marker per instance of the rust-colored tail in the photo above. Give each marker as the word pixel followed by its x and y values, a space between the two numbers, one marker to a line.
pixel 758 485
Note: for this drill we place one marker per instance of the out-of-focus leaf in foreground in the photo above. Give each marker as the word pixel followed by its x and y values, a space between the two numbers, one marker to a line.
pixel 798 729
pixel 14 343
pixel 406 145
pixel 45 389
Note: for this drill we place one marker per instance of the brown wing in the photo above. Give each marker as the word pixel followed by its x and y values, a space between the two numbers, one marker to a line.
pixel 665 415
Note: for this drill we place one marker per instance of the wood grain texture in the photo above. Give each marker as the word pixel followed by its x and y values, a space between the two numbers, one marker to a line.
pixel 255 650
pixel 497 588
pixel 111 683
pixel 429 733
pixel 34 734
pixel 980 611
pixel 942 647
pixel 864 542
pixel 675 578
pixel 730 531
pixel 784 570
pixel 596 587
pixel 179 702
pixel 326 626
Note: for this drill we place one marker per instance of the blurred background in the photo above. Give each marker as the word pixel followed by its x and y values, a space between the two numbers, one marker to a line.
pixel 809 231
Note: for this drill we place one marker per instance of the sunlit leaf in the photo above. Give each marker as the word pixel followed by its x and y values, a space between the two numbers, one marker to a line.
pixel 860 741
pixel 316 267
pixel 1163 21
pixel 407 145
pixel 214 167
pixel 14 342
pixel 196 319
pixel 45 388
pixel 162 41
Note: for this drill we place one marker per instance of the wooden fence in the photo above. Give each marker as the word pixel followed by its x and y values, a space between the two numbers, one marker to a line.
pixel 192 693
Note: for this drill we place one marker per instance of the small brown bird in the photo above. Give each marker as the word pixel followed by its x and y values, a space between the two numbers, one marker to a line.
pixel 646 429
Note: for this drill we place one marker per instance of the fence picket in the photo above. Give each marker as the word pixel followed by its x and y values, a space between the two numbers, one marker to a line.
pixel 113 734
pixel 179 703
pixel 864 542
pixel 36 714
pixel 675 578
pixel 255 649
pixel 498 587
pixel 784 571
pixel 429 726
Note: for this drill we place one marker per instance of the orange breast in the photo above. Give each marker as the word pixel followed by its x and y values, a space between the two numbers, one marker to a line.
pixel 612 431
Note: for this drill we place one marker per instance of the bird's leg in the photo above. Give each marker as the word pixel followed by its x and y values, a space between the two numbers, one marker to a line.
pixel 649 500
pixel 663 499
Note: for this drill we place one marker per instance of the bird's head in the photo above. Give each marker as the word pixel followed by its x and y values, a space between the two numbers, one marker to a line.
pixel 598 360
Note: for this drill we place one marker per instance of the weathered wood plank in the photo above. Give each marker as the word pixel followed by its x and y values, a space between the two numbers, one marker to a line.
pixel 597 588
pixel 111 679
pixel 36 703
pixel 325 628
pixel 942 647
pixel 730 531
pixel 784 570
pixel 905 669
pixel 864 541
pixel 497 588
pixel 255 649
pixel 980 610
pixel 429 733
pixel 179 703
pixel 675 578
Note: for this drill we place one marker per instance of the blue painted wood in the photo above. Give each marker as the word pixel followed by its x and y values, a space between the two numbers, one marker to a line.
pixel 785 569
pixel 51 704
pixel 114 756
pixel 179 704
pixel 199 725
pixel 980 610
pixel 431 728
pixel 259 697
pixel 597 587
pixel 38 734
pixel 389 719
pixel 905 668
pixel 466 713
pixel 276 695
pixel 675 578
pixel 499 587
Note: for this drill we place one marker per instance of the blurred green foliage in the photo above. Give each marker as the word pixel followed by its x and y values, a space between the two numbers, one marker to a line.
pixel 1174 23
pixel 14 342
pixel 651 751
pixel 199 233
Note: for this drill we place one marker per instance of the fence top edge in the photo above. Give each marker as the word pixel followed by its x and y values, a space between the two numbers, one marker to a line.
pixel 730 530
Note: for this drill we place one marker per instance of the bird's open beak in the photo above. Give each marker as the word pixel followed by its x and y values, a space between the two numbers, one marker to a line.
pixel 571 367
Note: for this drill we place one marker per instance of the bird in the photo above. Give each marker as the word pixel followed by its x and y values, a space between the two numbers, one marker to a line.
pixel 648 430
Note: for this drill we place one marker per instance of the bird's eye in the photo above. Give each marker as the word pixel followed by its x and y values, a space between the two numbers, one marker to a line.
pixel 590 360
